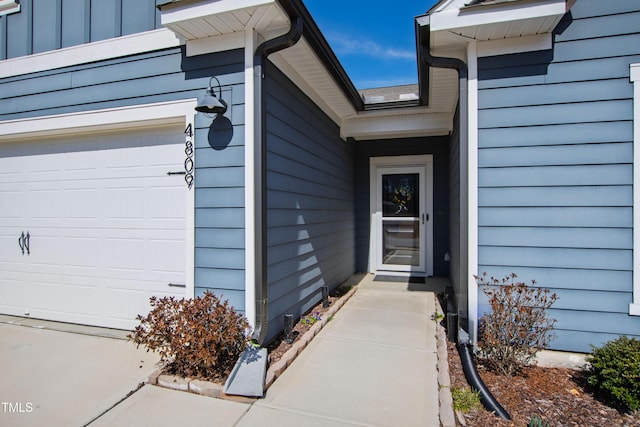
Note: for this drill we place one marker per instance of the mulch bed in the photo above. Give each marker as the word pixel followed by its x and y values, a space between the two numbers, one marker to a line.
pixel 278 346
pixel 559 395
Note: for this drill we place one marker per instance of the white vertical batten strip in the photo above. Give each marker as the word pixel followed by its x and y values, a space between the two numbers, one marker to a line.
pixel 472 197
pixel 634 307
pixel 250 41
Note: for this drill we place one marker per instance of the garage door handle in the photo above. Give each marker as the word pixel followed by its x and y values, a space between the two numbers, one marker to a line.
pixel 176 173
pixel 177 285
pixel 23 242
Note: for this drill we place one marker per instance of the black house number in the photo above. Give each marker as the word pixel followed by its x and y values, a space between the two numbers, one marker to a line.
pixel 188 162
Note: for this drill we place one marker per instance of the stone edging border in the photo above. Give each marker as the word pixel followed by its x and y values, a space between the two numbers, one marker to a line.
pixel 210 389
pixel 447 416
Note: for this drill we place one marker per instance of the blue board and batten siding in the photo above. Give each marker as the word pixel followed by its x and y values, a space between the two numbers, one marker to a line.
pixel 555 170
pixel 155 76
pixel 310 221
pixel 44 25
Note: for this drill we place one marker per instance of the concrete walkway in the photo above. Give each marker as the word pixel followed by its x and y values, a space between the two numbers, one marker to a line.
pixel 55 378
pixel 374 364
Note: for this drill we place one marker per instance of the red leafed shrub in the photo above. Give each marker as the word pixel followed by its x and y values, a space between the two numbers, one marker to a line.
pixel 517 325
pixel 200 337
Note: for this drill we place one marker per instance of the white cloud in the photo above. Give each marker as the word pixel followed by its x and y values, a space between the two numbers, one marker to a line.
pixel 344 44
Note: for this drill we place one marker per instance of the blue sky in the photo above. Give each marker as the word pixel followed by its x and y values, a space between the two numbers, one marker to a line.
pixel 374 40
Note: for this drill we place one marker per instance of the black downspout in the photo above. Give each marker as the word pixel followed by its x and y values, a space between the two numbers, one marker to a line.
pixel 260 141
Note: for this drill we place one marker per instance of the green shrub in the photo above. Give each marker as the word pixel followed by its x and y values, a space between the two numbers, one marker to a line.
pixel 537 421
pixel 465 399
pixel 517 325
pixel 200 337
pixel 615 373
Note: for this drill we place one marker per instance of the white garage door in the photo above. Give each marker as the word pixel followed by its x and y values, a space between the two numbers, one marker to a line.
pixel 106 226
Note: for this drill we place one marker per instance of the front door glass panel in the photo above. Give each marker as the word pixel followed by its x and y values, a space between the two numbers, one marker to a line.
pixel 401 219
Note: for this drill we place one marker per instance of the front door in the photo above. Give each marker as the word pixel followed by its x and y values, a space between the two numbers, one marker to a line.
pixel 401 214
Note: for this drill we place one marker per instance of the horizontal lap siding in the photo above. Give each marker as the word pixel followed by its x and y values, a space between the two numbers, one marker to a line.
pixel 219 183
pixel 310 234
pixel 555 171
pixel 45 25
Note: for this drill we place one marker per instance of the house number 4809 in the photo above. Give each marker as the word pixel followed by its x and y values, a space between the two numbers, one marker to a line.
pixel 188 162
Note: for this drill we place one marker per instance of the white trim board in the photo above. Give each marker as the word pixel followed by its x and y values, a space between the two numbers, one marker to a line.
pixel 251 100
pixel 133 116
pixel 472 188
pixel 634 74
pixel 90 52
pixel 515 45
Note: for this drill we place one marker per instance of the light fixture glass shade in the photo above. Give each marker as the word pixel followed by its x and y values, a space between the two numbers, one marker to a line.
pixel 209 103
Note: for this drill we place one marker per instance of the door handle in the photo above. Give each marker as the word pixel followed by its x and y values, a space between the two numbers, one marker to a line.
pixel 23 242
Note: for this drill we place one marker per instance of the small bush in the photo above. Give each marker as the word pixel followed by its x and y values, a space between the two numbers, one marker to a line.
pixel 615 373
pixel 200 337
pixel 465 399
pixel 517 325
pixel 311 318
pixel 537 421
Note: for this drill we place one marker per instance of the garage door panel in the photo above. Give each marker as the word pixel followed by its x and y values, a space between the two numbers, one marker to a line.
pixel 107 226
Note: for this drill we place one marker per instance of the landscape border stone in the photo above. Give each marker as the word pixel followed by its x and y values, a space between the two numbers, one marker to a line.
pixel 211 389
pixel 447 416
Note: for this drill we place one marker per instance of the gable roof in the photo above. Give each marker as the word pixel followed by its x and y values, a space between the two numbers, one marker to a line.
pixel 311 64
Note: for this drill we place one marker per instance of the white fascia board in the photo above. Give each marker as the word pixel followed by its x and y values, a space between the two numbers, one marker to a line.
pixel 214 44
pixel 9 6
pixel 454 18
pixel 381 127
pixel 515 45
pixel 90 52
pixel 129 117
pixel 180 12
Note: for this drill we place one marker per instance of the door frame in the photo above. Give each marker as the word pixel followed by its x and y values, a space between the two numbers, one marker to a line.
pixel 375 163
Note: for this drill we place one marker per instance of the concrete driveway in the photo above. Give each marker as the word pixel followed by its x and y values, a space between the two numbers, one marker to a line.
pixel 56 378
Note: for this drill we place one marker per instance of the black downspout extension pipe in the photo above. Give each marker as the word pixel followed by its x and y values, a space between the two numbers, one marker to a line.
pixel 260 139
pixel 464 348
pixel 473 378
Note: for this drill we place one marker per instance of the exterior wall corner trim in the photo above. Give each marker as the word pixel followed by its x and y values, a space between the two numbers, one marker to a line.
pixel 634 307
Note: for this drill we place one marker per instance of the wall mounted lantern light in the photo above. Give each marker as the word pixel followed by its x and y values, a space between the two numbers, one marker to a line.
pixel 208 103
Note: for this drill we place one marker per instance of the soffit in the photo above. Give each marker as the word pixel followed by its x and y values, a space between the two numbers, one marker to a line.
pixel 454 22
pixel 208 22
pixel 305 69
pixel 199 20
